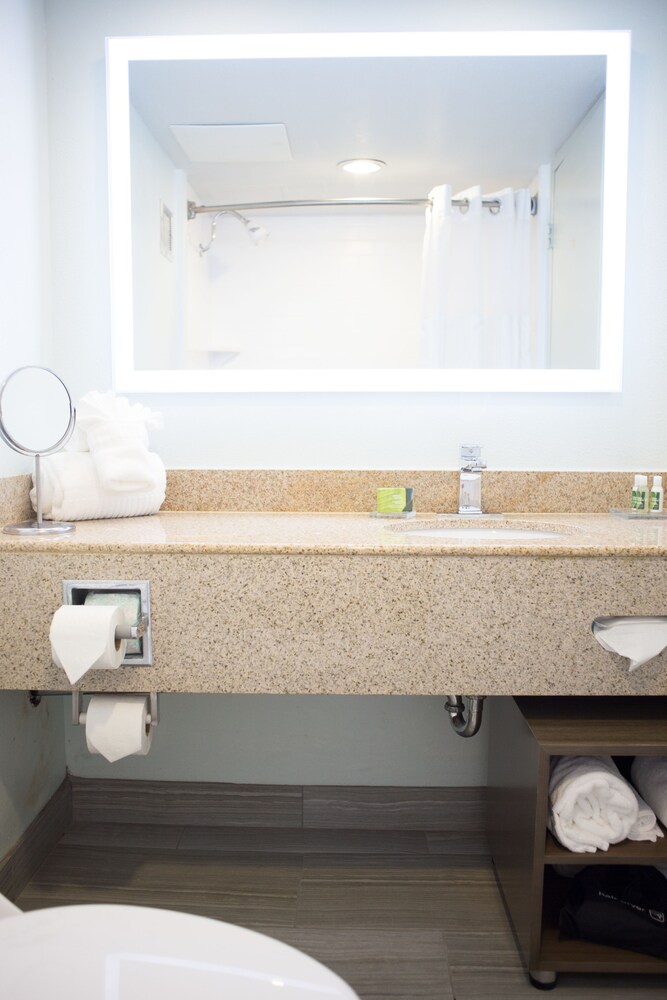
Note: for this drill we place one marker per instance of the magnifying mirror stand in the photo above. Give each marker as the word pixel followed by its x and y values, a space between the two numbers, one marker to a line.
pixel 39 525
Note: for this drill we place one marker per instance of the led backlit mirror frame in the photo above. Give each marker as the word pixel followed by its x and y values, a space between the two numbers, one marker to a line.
pixel 615 45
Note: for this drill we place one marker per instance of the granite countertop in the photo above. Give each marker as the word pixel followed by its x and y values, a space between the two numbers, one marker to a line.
pixel 348 534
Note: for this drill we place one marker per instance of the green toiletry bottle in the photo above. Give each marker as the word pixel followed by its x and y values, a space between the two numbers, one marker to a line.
pixel 640 494
pixel 656 497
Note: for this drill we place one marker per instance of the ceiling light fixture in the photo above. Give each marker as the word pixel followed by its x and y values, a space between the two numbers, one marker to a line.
pixel 362 166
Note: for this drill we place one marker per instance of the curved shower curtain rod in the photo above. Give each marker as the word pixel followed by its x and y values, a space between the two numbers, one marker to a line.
pixel 255 206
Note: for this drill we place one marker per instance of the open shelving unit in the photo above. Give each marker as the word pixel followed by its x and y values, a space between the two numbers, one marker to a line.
pixel 525 734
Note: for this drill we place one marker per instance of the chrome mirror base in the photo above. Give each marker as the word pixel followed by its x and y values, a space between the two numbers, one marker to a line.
pixel 39 528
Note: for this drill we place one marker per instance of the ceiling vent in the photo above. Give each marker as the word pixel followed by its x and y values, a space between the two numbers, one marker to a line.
pixel 234 143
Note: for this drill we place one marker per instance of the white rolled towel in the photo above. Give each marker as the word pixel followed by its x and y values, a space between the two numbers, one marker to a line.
pixel 649 776
pixel 71 490
pixel 646 827
pixel 591 805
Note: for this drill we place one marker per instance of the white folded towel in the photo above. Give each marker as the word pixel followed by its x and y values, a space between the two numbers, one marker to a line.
pixel 649 776
pixel 71 490
pixel 117 436
pixel 121 457
pixel 591 805
pixel 104 406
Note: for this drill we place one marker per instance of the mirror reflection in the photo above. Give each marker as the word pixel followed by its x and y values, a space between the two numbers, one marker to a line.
pixel 461 276
pixel 35 410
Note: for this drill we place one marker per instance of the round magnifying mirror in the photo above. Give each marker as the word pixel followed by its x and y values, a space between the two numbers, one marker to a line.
pixel 37 419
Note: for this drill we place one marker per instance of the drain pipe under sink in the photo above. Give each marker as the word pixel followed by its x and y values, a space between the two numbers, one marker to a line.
pixel 455 707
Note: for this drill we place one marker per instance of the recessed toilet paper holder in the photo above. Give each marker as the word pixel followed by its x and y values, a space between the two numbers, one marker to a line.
pixel 79 717
pixel 132 631
pixel 76 592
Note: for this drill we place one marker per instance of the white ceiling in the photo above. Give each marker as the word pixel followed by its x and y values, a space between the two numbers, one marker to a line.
pixel 460 120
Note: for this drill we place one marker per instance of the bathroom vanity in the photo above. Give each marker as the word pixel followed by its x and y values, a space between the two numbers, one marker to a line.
pixel 342 603
pixel 328 603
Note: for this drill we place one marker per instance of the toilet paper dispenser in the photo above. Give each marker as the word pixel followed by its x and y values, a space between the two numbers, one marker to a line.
pixel 134 595
pixel 132 631
pixel 79 716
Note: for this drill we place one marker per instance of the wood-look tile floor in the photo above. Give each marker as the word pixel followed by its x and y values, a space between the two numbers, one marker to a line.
pixel 401 916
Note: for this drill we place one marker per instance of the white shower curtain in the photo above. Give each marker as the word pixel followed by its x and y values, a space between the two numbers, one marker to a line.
pixel 476 282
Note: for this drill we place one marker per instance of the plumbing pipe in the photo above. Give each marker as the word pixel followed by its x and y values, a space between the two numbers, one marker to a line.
pixel 455 707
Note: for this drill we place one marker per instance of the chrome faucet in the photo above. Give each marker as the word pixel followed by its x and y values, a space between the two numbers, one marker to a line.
pixel 470 479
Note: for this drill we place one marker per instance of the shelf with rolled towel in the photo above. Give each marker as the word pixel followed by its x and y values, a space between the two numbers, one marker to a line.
pixel 593 806
pixel 628 852
pixel 525 735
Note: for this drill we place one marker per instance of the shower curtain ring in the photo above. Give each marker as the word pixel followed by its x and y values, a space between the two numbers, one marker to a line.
pixel 464 206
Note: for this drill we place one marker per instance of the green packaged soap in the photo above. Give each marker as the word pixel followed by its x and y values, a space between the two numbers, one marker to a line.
pixel 397 500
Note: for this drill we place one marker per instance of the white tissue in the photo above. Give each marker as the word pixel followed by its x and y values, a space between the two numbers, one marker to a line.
pixel 117 726
pixel 84 638
pixel 637 638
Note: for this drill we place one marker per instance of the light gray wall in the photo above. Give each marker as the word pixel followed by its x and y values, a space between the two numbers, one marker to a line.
pixel 306 739
pixel 32 761
pixel 584 431
pixel 25 325
pixel 32 753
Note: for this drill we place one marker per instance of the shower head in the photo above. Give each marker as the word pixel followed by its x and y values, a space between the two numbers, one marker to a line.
pixel 256 232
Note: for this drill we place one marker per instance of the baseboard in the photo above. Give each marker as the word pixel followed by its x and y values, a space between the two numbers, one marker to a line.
pixel 25 857
pixel 333 807
pixel 450 810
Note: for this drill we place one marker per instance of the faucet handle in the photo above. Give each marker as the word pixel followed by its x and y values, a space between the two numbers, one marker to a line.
pixel 471 457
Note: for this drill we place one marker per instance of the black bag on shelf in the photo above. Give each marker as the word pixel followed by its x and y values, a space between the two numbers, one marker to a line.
pixel 618 905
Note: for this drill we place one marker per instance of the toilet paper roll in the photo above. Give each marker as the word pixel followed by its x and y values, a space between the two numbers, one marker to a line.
pixel 117 726
pixel 129 602
pixel 84 638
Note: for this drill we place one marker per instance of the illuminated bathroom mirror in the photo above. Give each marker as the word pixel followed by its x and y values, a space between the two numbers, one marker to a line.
pixel 37 419
pixel 218 141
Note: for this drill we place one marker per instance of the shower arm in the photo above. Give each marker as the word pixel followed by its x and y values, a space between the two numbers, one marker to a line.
pixel 214 221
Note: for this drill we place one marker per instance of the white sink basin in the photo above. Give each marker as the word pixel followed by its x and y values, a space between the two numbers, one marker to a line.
pixel 482 531
pixel 489 528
